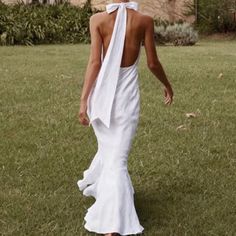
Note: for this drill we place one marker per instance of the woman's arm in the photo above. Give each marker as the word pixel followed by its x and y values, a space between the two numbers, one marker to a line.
pixel 153 62
pixel 93 67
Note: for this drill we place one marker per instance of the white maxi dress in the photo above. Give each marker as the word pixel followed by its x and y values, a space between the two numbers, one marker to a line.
pixel 113 111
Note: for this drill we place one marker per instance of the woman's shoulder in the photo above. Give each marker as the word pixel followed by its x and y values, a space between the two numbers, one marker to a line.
pixel 101 17
pixel 97 18
pixel 98 15
pixel 146 17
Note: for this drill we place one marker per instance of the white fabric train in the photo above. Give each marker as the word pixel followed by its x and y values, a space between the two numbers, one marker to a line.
pixel 116 102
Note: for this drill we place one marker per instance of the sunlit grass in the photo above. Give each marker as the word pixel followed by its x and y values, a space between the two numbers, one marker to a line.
pixel 184 179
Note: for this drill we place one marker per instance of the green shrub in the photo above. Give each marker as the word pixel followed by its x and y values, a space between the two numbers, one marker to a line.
pixel 177 34
pixel 29 24
pixel 214 15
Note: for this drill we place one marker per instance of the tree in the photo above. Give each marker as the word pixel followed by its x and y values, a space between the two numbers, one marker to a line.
pixel 214 15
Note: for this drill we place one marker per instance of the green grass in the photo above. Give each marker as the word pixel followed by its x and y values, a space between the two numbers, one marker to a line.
pixel 184 180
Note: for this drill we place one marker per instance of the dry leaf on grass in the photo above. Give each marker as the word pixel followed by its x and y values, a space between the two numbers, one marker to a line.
pixel 191 114
pixel 220 76
pixel 181 127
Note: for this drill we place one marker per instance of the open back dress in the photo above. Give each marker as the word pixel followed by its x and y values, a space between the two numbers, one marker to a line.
pixel 113 111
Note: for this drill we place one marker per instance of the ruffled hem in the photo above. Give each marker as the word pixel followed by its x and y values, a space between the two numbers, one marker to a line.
pixel 113 209
pixel 112 230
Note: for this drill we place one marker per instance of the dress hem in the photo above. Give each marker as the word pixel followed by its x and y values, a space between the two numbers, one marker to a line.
pixel 90 229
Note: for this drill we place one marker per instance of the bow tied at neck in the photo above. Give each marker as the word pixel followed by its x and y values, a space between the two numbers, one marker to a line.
pixel 114 6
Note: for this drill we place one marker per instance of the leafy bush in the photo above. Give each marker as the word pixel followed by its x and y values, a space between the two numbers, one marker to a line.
pixel 214 15
pixel 177 34
pixel 161 22
pixel 37 23
pixel 29 24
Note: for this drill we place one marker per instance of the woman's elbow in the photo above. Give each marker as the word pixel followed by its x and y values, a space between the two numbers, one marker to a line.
pixel 95 63
pixel 152 66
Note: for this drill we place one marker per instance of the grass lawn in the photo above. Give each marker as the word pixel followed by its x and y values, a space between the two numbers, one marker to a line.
pixel 184 179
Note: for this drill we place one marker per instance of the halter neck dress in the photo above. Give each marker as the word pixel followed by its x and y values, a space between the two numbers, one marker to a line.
pixel 113 111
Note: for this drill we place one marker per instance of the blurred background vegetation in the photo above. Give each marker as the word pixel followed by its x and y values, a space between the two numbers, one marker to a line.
pixel 213 16
pixel 62 22
pixel 44 23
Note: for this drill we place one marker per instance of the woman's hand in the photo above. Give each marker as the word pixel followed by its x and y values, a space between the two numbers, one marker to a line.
pixel 83 118
pixel 168 95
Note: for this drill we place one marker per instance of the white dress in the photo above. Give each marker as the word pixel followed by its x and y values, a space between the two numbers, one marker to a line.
pixel 113 110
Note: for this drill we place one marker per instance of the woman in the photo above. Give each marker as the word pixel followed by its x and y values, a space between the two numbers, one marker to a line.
pixel 110 101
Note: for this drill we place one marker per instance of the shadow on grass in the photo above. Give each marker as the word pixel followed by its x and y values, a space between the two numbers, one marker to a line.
pixel 162 207
pixel 152 209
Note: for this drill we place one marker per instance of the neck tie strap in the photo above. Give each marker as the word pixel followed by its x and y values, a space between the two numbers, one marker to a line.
pixel 114 6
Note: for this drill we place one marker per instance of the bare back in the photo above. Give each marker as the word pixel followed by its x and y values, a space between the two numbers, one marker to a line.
pixel 140 28
pixel 135 32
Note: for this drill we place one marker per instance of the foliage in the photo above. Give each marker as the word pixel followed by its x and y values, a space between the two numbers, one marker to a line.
pixel 29 24
pixel 161 22
pixel 214 15
pixel 178 34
